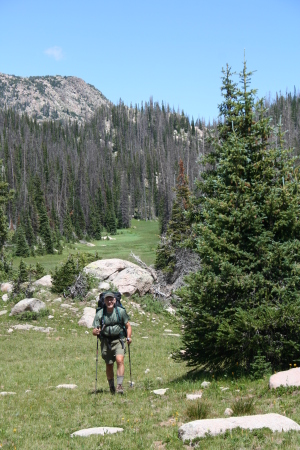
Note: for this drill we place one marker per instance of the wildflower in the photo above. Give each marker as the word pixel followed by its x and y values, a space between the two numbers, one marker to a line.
pixel 295 365
pixel 237 363
pixel 127 420
pixel 15 430
pixel 122 418
pixel 232 373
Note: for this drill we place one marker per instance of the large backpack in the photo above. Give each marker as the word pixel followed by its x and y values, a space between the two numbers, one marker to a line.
pixel 118 304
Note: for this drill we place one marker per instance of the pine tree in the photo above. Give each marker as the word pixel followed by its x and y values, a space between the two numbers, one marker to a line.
pixel 67 227
pixel 22 248
pixel 44 225
pixel 245 301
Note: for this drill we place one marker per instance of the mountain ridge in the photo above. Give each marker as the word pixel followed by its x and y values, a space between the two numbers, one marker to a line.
pixel 51 97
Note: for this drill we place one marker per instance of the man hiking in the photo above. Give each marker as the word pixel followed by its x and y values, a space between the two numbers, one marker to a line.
pixel 111 323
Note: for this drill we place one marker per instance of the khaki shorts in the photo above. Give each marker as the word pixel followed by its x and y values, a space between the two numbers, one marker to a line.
pixel 109 349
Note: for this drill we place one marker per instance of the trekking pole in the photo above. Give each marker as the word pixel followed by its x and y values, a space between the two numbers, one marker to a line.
pixel 97 362
pixel 129 365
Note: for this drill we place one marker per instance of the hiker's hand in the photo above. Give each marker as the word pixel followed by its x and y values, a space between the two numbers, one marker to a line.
pixel 129 340
pixel 96 331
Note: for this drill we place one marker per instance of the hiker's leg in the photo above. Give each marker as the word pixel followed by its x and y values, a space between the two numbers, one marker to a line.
pixel 110 371
pixel 120 365
pixel 120 373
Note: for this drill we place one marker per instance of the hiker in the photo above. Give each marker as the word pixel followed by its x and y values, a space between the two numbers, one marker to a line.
pixel 109 325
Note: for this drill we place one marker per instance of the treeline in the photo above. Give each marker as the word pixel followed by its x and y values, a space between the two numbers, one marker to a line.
pixel 121 164
pixel 75 180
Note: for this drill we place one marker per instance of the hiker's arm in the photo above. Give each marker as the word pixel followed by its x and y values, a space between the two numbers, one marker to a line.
pixel 128 328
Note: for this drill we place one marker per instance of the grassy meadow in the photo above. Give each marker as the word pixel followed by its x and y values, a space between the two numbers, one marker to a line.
pixel 142 238
pixel 44 417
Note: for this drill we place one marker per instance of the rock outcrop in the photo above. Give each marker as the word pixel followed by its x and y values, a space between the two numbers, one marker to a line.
pixel 50 97
pixel 88 317
pixel 128 277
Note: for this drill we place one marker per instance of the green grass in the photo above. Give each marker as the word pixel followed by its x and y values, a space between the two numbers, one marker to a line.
pixel 45 417
pixel 142 238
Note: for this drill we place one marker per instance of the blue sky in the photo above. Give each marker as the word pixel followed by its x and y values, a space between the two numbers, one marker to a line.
pixel 171 50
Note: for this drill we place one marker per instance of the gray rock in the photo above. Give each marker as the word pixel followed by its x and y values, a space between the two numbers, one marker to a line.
pixel 10 330
pixel 99 430
pixel 172 334
pixel 5 297
pixel 87 318
pixel 228 412
pixel 66 386
pixel 199 428
pixel 7 393
pixel 28 304
pixel 160 391
pixel 194 396
pixel 44 281
pixel 285 378
pixel 133 324
pixel 104 286
pixel 205 384
pixel 6 287
pixel 57 300
pixel 3 312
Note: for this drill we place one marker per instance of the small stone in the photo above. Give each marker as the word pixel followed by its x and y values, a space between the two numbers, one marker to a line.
pixel 7 393
pixel 147 370
pixel 57 300
pixel 205 384
pixel 99 430
pixel 66 386
pixel 144 337
pixel 133 324
pixel 131 383
pixel 194 396
pixel 3 312
pixel 228 412
pixel 86 332
pixel 50 317
pixel 172 334
pixel 28 390
pixel 168 331
pixel 224 389
pixel 6 287
pixel 160 391
pixel 10 330
pixel 5 297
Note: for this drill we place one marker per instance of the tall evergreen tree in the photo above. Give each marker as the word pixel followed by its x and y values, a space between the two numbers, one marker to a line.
pixel 22 248
pixel 245 301
pixel 44 225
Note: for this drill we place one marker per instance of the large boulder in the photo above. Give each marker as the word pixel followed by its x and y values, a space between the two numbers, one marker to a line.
pixel 200 428
pixel 88 317
pixel 285 378
pixel 45 281
pixel 128 277
pixel 28 304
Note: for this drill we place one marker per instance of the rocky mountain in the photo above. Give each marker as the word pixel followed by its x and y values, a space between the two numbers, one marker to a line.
pixel 50 97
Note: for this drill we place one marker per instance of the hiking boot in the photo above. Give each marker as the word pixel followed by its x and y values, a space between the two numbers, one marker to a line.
pixel 112 390
pixel 120 389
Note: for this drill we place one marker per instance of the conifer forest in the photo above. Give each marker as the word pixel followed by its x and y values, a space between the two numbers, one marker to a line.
pixel 74 179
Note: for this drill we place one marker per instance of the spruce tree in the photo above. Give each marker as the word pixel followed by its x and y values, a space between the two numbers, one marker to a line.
pixel 245 301
pixel 44 225
pixel 22 248
pixel 67 227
